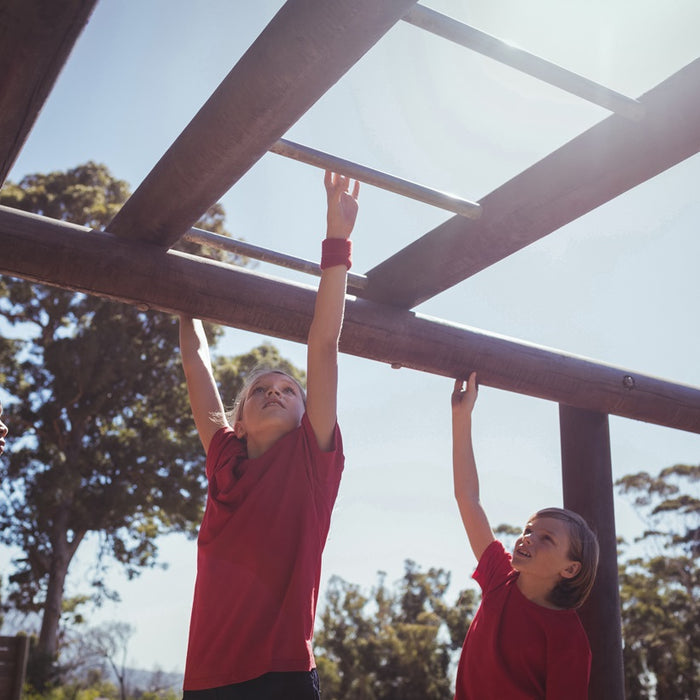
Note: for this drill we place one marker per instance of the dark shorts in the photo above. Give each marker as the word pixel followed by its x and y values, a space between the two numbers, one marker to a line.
pixel 302 685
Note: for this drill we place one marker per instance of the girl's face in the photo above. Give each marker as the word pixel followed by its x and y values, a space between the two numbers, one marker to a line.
pixel 3 432
pixel 274 403
pixel 543 550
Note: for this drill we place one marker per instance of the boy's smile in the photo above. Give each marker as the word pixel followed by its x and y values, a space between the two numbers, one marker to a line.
pixel 543 547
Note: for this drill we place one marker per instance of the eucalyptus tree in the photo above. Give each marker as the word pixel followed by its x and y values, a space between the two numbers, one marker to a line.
pixel 660 586
pixel 397 642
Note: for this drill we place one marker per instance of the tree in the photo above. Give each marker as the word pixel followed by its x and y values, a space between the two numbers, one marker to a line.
pixel 660 592
pixel 392 644
pixel 102 438
pixel 110 643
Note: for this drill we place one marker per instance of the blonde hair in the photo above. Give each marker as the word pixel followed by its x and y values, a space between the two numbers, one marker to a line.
pixel 583 547
pixel 236 412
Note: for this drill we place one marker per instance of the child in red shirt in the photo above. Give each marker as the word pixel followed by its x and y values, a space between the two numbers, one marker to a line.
pixel 273 468
pixel 526 640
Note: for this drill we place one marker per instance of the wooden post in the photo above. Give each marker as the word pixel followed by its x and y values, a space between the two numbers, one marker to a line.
pixel 588 490
pixel 13 666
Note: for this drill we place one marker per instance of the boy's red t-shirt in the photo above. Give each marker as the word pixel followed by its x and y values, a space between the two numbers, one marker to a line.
pixel 517 649
pixel 259 557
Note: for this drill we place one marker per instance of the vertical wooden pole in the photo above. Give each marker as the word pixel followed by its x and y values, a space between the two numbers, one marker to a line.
pixel 588 490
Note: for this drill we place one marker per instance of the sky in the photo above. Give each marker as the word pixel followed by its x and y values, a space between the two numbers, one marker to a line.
pixel 619 285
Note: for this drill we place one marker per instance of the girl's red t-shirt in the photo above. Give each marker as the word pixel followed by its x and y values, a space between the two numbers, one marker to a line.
pixel 259 557
pixel 517 649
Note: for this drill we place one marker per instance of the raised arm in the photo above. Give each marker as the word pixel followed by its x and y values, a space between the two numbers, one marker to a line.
pixel 466 478
pixel 207 408
pixel 322 348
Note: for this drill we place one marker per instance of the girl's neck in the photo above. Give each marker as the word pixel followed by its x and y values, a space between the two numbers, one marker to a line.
pixel 262 442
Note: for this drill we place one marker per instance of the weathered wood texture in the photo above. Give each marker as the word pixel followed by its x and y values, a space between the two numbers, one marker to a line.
pixel 35 40
pixel 588 490
pixel 595 167
pixel 13 666
pixel 304 50
pixel 69 256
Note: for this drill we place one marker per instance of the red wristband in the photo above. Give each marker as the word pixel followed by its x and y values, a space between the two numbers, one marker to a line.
pixel 336 251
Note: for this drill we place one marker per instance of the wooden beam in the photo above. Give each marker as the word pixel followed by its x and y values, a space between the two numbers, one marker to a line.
pixel 35 40
pixel 595 167
pixel 588 490
pixel 301 53
pixel 72 257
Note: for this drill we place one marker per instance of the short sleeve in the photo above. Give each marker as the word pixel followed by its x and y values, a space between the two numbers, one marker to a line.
pixel 325 464
pixel 494 567
pixel 224 448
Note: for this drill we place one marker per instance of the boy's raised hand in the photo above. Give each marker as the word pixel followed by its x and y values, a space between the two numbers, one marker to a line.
pixel 342 206
pixel 464 398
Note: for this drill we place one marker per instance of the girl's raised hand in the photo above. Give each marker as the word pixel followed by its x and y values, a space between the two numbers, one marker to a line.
pixel 342 206
pixel 464 398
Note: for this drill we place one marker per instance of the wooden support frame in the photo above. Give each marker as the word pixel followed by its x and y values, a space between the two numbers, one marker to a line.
pixel 588 490
pixel 73 257
pixel 306 48
pixel 35 40
pixel 301 53
pixel 600 164
pixel 14 652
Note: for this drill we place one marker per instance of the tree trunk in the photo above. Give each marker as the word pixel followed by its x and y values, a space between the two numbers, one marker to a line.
pixel 62 552
pixel 48 637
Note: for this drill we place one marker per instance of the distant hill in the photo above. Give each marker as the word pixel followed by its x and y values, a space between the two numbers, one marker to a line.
pixel 138 678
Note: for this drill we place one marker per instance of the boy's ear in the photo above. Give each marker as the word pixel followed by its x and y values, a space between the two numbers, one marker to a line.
pixel 571 570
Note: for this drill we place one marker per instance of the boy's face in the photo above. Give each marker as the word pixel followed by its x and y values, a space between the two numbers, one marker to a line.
pixel 3 432
pixel 543 550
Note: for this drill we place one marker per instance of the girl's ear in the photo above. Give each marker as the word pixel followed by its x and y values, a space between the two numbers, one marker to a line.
pixel 571 570
pixel 239 430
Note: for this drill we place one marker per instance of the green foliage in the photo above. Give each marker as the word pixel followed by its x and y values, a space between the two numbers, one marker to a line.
pixel 214 220
pixel 73 691
pixel 87 195
pixel 394 643
pixel 660 592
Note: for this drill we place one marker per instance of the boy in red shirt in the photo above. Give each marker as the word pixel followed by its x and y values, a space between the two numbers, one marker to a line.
pixel 526 640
